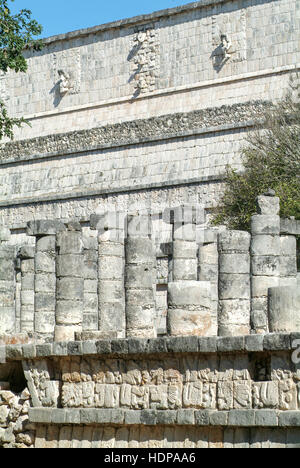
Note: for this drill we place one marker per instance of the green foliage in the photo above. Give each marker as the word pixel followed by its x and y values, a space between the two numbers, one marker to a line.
pixel 16 33
pixel 271 160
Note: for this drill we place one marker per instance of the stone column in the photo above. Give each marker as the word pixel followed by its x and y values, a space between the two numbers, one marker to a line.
pixel 288 261
pixel 265 258
pixel 90 309
pixel 189 300
pixel 45 276
pixel 208 270
pixel 234 283
pixel 284 309
pixel 70 283
pixel 26 257
pixel 7 285
pixel 140 277
pixel 112 321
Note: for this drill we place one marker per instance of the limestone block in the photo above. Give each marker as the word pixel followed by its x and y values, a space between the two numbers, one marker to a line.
pixel 186 213
pixel 44 227
pixel 185 233
pixel 66 332
pixel 284 309
pixel 139 226
pixel 68 312
pixel 44 262
pixel 45 244
pixel 69 265
pixel 235 263
pixel 234 286
pixel 266 265
pixel 43 282
pixel 189 293
pixel 111 249
pixel 139 250
pixel 7 322
pixel 268 205
pixel 208 272
pixel 111 291
pixel 139 276
pixel 265 224
pixel 261 284
pixel 111 268
pixel 234 317
pixel 184 250
pixel 259 314
pixel 208 254
pixel 185 269
pixel 189 308
pixel 7 268
pixel 26 252
pixel 69 242
pixel 44 302
pixel 265 244
pixel 70 288
pixel 231 241
pixel 44 322
pixel 288 245
pixel 288 266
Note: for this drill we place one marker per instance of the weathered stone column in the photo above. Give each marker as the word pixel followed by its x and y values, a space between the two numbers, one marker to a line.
pixel 265 258
pixel 288 261
pixel 208 270
pixel 140 276
pixel 111 289
pixel 70 283
pixel 234 283
pixel 26 257
pixel 284 309
pixel 90 309
pixel 45 276
pixel 7 285
pixel 189 300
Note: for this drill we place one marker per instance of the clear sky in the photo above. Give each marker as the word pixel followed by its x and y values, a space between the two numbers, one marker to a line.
pixel 61 16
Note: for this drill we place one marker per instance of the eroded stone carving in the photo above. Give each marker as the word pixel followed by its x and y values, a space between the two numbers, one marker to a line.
pixel 145 59
pixel 226 47
pixel 64 83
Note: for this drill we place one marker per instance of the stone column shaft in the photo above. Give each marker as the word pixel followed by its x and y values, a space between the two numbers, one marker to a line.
pixel 140 276
pixel 234 283
pixel 7 290
pixel 70 284
pixel 26 257
pixel 265 259
pixel 189 300
pixel 90 309
pixel 208 270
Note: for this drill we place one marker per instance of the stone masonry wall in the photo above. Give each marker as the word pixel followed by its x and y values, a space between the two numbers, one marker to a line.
pixel 132 98
pixel 108 67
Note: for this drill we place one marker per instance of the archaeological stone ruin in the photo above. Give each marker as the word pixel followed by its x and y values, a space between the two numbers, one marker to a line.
pixel 126 319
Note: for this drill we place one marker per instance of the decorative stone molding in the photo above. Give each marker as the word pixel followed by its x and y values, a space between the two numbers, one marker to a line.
pixel 137 131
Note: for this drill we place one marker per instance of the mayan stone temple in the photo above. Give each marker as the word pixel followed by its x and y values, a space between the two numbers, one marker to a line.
pixel 126 319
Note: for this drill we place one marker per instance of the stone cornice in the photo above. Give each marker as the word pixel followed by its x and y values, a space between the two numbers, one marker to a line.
pixel 127 22
pixel 182 417
pixel 156 346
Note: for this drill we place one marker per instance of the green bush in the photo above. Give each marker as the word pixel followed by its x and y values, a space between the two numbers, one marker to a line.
pixel 271 160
